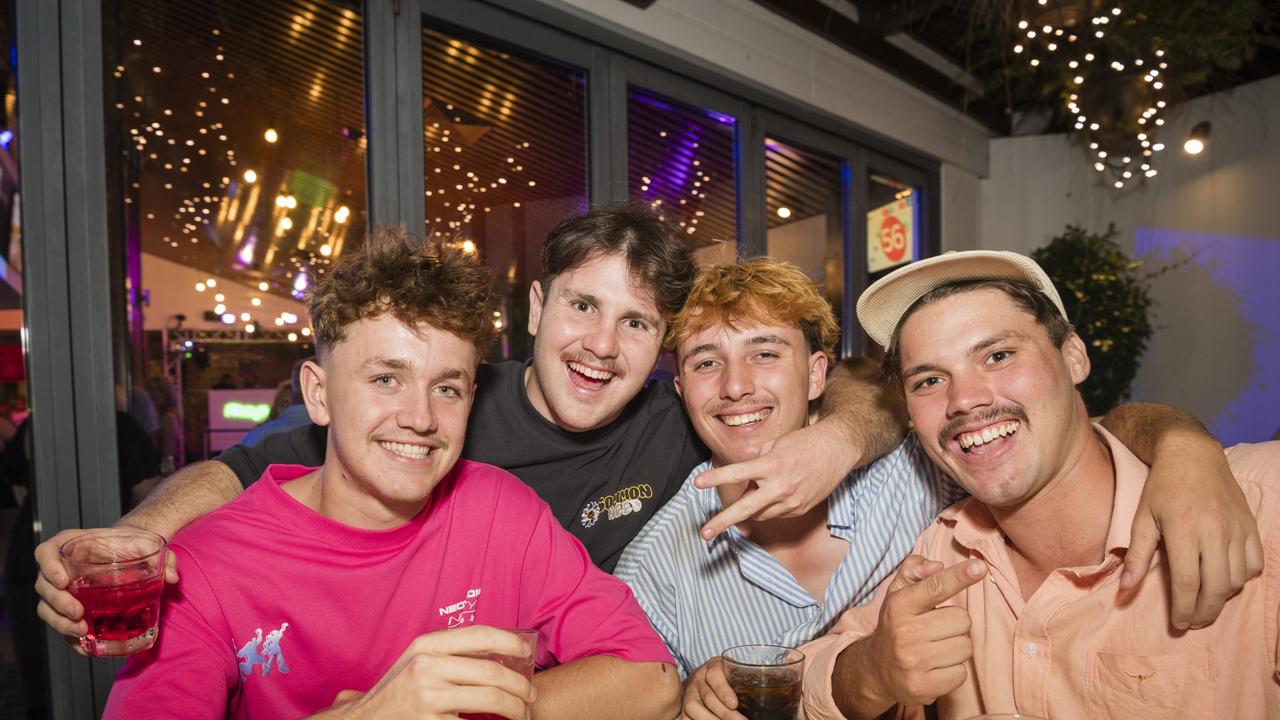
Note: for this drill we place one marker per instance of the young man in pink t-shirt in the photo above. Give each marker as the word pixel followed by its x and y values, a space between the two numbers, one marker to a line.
pixel 366 587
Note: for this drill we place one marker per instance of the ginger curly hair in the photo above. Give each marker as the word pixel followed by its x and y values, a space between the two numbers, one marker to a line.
pixel 394 274
pixel 759 290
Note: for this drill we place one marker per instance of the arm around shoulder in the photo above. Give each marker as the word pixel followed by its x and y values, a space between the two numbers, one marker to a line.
pixel 190 493
pixel 869 413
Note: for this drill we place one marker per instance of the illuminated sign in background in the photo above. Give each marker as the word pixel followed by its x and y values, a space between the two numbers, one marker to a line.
pixel 232 413
pixel 891 234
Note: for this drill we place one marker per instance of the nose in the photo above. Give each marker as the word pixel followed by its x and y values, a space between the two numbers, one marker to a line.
pixel 968 392
pixel 735 381
pixel 416 413
pixel 602 341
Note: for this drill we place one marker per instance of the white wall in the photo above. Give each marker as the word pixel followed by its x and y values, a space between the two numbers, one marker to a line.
pixel 746 40
pixel 1217 348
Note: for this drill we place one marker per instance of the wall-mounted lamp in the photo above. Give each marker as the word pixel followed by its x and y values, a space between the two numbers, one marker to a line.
pixel 1196 140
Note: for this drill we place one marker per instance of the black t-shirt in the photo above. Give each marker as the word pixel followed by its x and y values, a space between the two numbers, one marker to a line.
pixel 602 485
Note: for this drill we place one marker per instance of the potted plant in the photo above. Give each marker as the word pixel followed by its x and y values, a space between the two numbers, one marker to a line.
pixel 1108 301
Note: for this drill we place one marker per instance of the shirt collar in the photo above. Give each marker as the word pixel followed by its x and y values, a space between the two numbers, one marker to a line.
pixel 975 529
pixel 1131 478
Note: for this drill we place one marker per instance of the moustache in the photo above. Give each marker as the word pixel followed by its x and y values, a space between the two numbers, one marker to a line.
pixel 593 361
pixel 986 417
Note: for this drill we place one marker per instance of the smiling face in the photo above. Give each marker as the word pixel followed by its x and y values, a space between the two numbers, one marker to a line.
pixel 993 401
pixel 396 400
pixel 597 338
pixel 744 387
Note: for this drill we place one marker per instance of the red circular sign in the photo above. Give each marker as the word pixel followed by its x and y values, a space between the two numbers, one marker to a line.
pixel 893 238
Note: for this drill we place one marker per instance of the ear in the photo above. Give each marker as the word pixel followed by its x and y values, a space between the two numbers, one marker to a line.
pixel 1077 358
pixel 313 392
pixel 679 390
pixel 535 306
pixel 817 374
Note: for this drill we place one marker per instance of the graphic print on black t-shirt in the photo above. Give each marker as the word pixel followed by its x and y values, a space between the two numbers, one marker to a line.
pixel 602 485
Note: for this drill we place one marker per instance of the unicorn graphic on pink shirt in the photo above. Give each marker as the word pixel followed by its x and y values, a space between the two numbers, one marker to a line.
pixel 263 651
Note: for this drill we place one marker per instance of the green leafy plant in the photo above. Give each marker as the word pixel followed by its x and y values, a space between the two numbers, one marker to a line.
pixel 1108 301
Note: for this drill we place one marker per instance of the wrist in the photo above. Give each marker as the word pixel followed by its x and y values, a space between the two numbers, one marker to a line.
pixel 858 685
pixel 137 522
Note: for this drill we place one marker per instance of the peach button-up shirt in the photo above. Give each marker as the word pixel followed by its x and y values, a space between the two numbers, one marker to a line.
pixel 1079 648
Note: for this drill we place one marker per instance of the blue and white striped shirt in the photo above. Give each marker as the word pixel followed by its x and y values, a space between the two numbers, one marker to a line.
pixel 703 597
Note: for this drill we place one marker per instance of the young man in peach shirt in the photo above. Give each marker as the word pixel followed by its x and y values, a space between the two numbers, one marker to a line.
pixel 1012 602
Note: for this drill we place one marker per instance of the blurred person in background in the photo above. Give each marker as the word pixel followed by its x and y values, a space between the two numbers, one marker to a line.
pixel 290 416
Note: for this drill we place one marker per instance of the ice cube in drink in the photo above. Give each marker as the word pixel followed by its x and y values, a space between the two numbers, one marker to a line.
pixel 121 610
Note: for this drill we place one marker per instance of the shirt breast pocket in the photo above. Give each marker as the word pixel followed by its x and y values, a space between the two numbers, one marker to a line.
pixel 1179 685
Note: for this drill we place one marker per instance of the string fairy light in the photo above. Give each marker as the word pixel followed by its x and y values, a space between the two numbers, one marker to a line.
pixel 1120 154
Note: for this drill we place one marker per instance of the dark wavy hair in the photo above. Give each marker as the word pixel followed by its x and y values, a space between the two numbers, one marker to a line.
pixel 394 274
pixel 655 250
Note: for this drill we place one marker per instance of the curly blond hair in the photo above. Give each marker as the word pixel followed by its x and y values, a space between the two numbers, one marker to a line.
pixel 393 274
pixel 759 290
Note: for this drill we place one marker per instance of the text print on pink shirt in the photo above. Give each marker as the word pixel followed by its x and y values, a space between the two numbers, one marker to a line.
pixel 463 611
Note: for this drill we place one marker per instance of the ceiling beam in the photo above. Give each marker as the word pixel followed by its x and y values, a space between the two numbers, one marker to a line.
pixel 869 43
pixel 888 19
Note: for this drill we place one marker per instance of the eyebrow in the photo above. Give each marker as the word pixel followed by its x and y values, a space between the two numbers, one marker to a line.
pixel 768 340
pixel 573 293
pixel 455 374
pixel 976 348
pixel 383 362
pixel 699 350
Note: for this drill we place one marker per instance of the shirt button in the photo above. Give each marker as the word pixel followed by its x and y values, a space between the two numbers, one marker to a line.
pixel 1030 649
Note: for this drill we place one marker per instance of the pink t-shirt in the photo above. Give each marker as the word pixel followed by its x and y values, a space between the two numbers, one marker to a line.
pixel 279 607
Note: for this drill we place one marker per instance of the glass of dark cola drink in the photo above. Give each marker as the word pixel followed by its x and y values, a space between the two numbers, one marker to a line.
pixel 766 679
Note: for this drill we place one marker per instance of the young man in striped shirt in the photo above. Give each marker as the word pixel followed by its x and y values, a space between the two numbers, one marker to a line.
pixel 753 344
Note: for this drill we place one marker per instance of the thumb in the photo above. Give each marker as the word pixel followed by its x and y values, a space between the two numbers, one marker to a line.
pixel 170 567
pixel 1142 549
pixel 346 696
pixel 912 570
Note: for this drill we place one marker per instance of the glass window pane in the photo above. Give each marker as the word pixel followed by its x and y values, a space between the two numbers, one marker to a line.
pixel 893 223
pixel 680 160
pixel 506 159
pixel 236 172
pixel 803 206
pixel 24 688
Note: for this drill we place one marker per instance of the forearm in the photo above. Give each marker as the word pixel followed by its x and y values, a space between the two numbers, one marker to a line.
pixel 192 492
pixel 1151 428
pixel 869 414
pixel 588 689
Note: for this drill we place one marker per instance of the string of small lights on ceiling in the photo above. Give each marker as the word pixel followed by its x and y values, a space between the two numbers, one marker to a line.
pixel 1117 103
pixel 205 142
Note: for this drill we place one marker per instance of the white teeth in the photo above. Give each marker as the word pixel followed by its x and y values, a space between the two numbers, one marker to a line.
pixel 968 440
pixel 591 372
pixel 416 452
pixel 736 420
